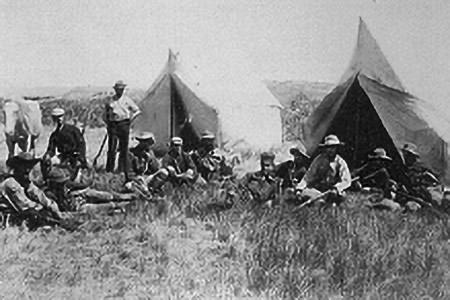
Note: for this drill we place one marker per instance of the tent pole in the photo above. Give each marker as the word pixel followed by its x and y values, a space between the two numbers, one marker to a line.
pixel 171 110
pixel 357 119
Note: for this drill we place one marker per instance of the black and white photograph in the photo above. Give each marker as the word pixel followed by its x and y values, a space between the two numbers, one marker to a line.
pixel 225 149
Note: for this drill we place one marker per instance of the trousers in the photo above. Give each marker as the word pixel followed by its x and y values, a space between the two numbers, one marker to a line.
pixel 118 136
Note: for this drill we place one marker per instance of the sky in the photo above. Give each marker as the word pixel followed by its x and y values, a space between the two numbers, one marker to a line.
pixel 80 42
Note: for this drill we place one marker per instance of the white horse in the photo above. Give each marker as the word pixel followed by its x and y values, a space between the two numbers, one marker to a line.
pixel 23 124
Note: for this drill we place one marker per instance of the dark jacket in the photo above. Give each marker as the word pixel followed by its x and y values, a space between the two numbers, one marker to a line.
pixel 181 163
pixel 143 161
pixel 373 175
pixel 263 186
pixel 69 141
pixel 290 172
pixel 210 164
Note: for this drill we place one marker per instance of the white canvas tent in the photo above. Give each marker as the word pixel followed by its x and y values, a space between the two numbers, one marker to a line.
pixel 370 108
pixel 248 116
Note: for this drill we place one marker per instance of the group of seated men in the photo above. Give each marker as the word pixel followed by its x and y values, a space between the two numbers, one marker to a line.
pixel 326 178
pixel 203 164
pixel 61 191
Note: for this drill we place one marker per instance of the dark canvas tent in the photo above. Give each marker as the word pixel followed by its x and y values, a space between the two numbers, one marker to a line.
pixel 370 108
pixel 171 107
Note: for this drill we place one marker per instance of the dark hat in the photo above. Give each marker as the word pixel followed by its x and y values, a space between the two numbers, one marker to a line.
pixel 331 141
pixel 267 156
pixel 22 160
pixel 379 153
pixel 119 84
pixel 58 175
pixel 410 149
pixel 297 152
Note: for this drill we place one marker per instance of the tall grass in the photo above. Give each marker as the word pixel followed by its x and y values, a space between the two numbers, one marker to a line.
pixel 185 246
pixel 179 248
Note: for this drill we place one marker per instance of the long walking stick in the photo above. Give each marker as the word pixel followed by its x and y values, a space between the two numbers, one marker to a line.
pixel 94 164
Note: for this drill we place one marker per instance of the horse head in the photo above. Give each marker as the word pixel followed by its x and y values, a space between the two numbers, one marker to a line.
pixel 13 116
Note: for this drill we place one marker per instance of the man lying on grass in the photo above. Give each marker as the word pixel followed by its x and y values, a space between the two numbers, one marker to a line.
pixel 72 196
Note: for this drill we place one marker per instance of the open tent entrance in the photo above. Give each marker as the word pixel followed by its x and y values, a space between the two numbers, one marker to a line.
pixel 358 124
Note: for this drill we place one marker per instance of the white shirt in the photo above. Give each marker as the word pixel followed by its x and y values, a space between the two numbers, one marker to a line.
pixel 123 109
pixel 325 172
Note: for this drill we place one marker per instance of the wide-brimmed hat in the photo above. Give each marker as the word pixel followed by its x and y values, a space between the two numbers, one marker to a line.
pixel 58 175
pixel 145 136
pixel 331 141
pixel 411 149
pixel 176 141
pixel 379 153
pixel 22 160
pixel 297 152
pixel 207 135
pixel 57 112
pixel 119 84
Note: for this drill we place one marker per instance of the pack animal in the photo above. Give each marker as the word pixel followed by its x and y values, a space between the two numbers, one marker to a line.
pixel 23 124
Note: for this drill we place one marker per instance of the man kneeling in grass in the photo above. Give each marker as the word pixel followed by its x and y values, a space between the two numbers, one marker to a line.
pixel 328 175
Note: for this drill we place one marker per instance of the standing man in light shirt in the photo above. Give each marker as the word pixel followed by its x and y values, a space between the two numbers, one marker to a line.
pixel 119 113
pixel 328 173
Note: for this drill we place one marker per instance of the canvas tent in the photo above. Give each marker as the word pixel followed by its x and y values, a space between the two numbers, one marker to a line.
pixel 370 108
pixel 239 109
pixel 171 107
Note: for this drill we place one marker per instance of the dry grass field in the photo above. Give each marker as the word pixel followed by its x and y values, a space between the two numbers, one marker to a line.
pixel 179 248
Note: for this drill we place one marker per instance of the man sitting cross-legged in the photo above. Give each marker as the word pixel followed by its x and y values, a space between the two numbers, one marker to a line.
pixel 328 176
pixel 292 171
pixel 374 177
pixel 143 159
pixel 210 164
pixel 177 168
pixel 263 184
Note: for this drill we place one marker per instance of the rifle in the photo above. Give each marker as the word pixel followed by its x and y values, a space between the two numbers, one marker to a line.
pixel 321 195
pixel 94 164
pixel 413 198
pixel 312 200
pixel 368 176
pixel 428 205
